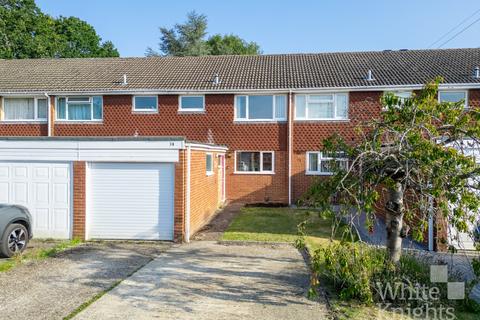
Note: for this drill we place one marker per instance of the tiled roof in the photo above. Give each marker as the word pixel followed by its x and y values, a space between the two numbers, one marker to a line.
pixel 263 72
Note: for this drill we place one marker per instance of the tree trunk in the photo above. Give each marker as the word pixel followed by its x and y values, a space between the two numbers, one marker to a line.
pixel 395 211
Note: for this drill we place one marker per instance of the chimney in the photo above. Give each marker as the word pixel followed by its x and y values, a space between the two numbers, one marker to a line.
pixel 476 72
pixel 369 76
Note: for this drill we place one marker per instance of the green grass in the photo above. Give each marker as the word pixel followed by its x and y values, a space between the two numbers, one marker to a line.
pixel 278 225
pixel 37 254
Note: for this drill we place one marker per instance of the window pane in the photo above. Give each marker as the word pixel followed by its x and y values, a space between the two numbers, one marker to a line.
pixel 320 98
pixel 241 107
pixel 209 163
pixel 61 108
pixel 146 103
pixel 79 112
pixel 320 110
pixel 451 96
pixel 19 109
pixel 79 99
pixel 300 107
pixel 325 166
pixel 342 106
pixel 97 108
pixel 260 107
pixel 313 162
pixel 42 106
pixel 191 102
pixel 248 161
pixel 267 161
pixel 280 107
pixel 403 94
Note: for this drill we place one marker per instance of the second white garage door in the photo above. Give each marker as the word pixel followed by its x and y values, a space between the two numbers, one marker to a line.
pixel 130 201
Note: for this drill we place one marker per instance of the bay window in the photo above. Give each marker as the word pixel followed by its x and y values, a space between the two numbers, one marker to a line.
pixel 261 108
pixel 321 163
pixel 80 108
pixel 254 162
pixel 332 106
pixel 25 109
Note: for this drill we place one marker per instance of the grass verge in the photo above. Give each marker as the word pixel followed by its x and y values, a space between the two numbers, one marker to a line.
pixel 36 254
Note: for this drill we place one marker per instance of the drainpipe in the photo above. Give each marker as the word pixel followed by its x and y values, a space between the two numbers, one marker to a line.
pixel 187 196
pixel 49 115
pixel 430 226
pixel 290 147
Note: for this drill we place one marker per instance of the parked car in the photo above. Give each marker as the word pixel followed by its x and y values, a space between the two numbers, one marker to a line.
pixel 476 233
pixel 15 229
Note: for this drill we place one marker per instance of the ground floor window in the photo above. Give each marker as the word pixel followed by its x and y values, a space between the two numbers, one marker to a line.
pixel 209 160
pixel 321 163
pixel 254 161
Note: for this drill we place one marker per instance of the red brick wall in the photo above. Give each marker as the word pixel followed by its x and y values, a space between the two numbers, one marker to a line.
pixel 79 196
pixel 204 190
pixel 179 201
pixel 23 129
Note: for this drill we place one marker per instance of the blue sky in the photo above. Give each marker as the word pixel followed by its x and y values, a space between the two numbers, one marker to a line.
pixel 282 26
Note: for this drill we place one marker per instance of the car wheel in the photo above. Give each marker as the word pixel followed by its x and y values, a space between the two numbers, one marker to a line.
pixel 14 240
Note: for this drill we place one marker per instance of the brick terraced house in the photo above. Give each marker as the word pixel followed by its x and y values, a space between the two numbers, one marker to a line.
pixel 148 148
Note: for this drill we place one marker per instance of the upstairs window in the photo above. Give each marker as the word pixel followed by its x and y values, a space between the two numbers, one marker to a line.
pixel 80 108
pixel 453 96
pixel 261 108
pixel 254 162
pixel 321 106
pixel 25 109
pixel 192 103
pixel 145 103
pixel 209 162
pixel 321 163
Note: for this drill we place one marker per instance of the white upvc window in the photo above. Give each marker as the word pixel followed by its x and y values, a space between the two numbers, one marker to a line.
pixel 320 163
pixel 145 103
pixel 261 108
pixel 81 108
pixel 209 163
pixel 331 106
pixel 191 103
pixel 453 96
pixel 25 109
pixel 402 95
pixel 258 162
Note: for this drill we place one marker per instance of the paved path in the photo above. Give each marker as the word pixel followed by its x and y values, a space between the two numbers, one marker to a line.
pixel 206 280
pixel 54 287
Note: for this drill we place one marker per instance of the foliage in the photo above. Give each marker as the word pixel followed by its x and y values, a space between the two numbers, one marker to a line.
pixel 418 151
pixel 27 32
pixel 188 39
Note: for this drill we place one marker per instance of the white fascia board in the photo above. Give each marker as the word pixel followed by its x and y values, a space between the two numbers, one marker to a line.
pixel 463 86
pixel 104 151
pixel 206 147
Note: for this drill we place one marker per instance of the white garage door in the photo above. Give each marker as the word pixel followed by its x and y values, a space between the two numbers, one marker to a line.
pixel 44 188
pixel 130 201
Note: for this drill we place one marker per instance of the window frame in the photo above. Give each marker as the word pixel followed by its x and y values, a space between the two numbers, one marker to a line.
pixel 35 119
pixel 335 117
pixel 247 103
pixel 207 155
pixel 134 107
pixel 90 98
pixel 181 109
pixel 456 91
pixel 270 172
pixel 308 172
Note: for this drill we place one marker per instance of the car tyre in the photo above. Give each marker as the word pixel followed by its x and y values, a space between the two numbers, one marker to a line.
pixel 14 240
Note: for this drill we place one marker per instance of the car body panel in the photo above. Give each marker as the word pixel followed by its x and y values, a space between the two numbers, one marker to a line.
pixel 14 214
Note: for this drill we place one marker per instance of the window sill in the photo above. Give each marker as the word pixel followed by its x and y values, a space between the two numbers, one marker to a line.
pixel 259 121
pixel 78 121
pixel 209 174
pixel 23 121
pixel 322 120
pixel 318 173
pixel 144 111
pixel 254 173
pixel 191 112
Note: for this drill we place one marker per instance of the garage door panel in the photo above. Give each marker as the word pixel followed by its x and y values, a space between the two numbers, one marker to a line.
pixel 131 201
pixel 45 193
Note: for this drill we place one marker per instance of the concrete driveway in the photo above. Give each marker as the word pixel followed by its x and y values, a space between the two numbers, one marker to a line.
pixel 207 280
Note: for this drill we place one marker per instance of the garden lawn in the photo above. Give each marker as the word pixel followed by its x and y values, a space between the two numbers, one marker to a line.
pixel 278 225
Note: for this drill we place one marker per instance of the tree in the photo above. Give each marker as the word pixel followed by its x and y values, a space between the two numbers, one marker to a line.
pixel 418 152
pixel 26 32
pixel 188 39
